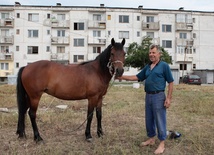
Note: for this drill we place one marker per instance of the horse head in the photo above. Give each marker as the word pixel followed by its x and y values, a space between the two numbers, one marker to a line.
pixel 117 58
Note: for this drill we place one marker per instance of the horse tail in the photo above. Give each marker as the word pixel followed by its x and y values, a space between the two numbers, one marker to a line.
pixel 21 103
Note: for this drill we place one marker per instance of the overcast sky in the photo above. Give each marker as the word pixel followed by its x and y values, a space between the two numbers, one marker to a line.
pixel 198 5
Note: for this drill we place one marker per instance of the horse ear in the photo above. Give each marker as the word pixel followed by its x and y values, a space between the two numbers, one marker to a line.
pixel 123 41
pixel 112 42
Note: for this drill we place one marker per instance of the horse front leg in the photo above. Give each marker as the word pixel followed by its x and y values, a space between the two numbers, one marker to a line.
pixel 89 120
pixel 99 121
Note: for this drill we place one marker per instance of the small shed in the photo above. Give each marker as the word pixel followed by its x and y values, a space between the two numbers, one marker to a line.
pixel 175 74
pixel 11 79
pixel 207 75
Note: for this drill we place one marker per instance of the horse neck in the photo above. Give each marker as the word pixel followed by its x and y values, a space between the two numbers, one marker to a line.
pixel 104 70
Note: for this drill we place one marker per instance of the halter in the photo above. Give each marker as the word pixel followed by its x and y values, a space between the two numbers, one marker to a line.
pixel 111 66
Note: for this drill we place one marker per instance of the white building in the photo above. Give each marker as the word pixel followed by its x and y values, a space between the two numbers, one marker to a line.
pixel 72 34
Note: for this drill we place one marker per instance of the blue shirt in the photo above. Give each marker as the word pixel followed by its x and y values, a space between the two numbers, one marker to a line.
pixel 157 77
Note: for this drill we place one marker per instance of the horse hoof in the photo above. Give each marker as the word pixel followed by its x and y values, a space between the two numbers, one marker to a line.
pixel 89 139
pixel 38 139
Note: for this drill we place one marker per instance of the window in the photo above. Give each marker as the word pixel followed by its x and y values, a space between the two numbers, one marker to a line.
pixel 109 33
pixel 109 17
pixel 4 49
pixel 78 26
pixel 189 50
pixel 48 32
pixel 184 18
pixel 17 48
pixel 180 49
pixel 60 49
pixel 48 16
pixel 96 17
pixel 4 66
pixel 96 33
pixel 138 18
pixel 17 31
pixel 61 16
pixel 96 49
pixel 123 34
pixel 138 33
pixel 193 20
pixel 60 33
pixel 123 19
pixel 5 15
pixel 18 15
pixel 78 42
pixel 166 43
pixel 183 35
pixel 17 65
pixel 194 35
pixel 166 28
pixel 183 66
pixel 33 50
pixel 78 58
pixel 194 66
pixel 4 32
pixel 33 33
pixel 34 17
pixel 194 50
pixel 149 19
pixel 48 49
pixel 150 34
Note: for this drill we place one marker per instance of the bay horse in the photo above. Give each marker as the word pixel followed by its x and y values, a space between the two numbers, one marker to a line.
pixel 87 80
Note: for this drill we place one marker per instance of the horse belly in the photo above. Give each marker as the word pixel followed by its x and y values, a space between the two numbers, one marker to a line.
pixel 72 90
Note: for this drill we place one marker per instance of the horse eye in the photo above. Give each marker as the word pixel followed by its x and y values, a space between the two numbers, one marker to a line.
pixel 112 54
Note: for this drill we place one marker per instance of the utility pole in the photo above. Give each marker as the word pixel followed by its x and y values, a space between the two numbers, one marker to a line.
pixel 185 51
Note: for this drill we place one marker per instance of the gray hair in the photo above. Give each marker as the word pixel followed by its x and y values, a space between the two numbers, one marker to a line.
pixel 155 46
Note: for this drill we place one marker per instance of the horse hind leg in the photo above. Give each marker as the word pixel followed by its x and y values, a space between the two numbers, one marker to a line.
pixel 32 115
pixel 21 122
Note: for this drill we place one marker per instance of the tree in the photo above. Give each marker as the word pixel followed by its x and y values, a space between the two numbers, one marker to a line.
pixel 138 55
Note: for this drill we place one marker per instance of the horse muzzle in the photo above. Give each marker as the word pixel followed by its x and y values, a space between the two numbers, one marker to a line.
pixel 119 72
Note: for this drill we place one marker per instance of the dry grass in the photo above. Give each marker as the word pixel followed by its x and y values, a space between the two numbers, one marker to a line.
pixel 191 113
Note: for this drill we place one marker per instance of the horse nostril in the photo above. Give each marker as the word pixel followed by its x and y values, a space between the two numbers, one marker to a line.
pixel 119 71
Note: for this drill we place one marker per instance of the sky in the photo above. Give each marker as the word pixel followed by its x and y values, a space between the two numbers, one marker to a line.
pixel 196 5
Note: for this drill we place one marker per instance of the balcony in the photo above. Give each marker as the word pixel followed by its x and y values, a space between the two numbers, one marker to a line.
pixel 184 42
pixel 150 26
pixel 6 23
pixel 60 57
pixel 96 41
pixel 184 26
pixel 6 56
pixel 6 39
pixel 96 24
pixel 54 23
pixel 183 57
pixel 60 40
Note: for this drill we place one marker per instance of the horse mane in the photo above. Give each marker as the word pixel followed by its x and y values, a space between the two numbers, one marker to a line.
pixel 104 57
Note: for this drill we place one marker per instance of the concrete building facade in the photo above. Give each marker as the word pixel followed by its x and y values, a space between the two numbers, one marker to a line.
pixel 69 34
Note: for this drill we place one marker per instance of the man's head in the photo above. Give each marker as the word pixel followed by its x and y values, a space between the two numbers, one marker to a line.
pixel 154 53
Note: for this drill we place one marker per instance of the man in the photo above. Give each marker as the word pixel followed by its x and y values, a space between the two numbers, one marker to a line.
pixel 155 74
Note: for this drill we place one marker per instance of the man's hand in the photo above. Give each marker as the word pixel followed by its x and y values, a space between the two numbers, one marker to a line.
pixel 167 103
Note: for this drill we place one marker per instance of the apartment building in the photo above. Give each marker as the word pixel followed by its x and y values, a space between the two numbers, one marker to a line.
pixel 68 34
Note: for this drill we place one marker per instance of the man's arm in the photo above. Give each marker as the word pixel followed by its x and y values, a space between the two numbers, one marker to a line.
pixel 169 95
pixel 128 77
